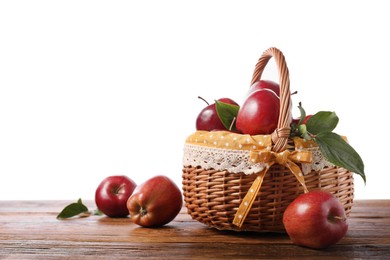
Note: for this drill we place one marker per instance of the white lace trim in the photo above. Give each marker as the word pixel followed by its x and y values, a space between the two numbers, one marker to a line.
pixel 234 161
pixel 318 163
pixel 237 161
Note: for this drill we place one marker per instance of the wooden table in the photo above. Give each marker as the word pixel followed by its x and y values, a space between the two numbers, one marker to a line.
pixel 29 229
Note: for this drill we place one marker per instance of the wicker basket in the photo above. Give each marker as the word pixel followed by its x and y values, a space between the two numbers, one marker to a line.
pixel 215 196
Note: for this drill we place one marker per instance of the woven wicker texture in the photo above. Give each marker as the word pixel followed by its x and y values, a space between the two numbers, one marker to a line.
pixel 213 197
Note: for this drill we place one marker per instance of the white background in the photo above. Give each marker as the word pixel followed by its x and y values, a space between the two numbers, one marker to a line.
pixel 90 89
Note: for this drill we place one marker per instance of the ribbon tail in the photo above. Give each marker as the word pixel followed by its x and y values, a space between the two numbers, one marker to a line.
pixel 298 174
pixel 248 200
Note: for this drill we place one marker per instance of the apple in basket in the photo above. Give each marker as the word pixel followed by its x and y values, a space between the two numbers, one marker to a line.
pixel 155 202
pixel 304 121
pixel 315 219
pixel 265 84
pixel 259 113
pixel 208 119
pixel 112 194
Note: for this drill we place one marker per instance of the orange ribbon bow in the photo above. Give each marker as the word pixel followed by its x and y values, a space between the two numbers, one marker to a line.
pixel 285 158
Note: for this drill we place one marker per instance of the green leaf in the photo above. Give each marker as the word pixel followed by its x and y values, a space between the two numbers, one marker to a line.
pixel 227 113
pixel 323 121
pixel 303 132
pixel 97 212
pixel 337 151
pixel 72 210
pixel 303 113
pixel 295 127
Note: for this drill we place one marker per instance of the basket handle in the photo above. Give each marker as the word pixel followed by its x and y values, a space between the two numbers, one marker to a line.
pixel 282 132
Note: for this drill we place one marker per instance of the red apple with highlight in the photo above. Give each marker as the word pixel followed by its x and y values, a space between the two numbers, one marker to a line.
pixel 265 84
pixel 208 119
pixel 112 194
pixel 155 202
pixel 259 114
pixel 315 219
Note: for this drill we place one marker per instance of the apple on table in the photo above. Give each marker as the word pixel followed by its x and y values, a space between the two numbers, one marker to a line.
pixel 155 202
pixel 112 194
pixel 315 219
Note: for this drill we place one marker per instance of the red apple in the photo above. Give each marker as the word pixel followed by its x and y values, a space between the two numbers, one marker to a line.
pixel 315 219
pixel 155 202
pixel 112 194
pixel 208 119
pixel 265 84
pixel 296 120
pixel 259 113
pixel 306 118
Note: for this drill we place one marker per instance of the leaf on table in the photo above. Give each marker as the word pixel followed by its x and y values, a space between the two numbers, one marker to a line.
pixel 73 209
pixel 97 212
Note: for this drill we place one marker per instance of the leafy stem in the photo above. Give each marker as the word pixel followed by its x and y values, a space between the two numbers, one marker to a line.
pixel 336 149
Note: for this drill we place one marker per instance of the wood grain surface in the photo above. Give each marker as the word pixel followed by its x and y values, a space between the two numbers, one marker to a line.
pixel 30 230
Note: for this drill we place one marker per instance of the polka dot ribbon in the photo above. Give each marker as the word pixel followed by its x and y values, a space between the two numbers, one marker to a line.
pixel 285 158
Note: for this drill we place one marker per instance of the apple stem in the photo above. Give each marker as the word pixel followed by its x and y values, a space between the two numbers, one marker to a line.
pixel 231 125
pixel 119 189
pixel 143 211
pixel 203 100
pixel 339 218
pixel 294 93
